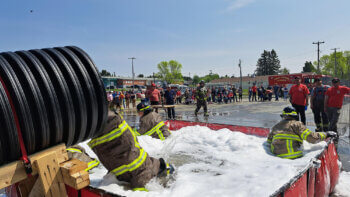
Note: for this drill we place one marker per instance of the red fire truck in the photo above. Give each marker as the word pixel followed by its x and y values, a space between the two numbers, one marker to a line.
pixel 306 78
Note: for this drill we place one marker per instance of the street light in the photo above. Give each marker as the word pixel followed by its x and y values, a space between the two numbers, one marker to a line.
pixel 133 74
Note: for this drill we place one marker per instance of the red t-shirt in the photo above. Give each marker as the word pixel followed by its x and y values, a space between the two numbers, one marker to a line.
pixel 254 89
pixel 299 93
pixel 336 96
pixel 153 95
pixel 178 93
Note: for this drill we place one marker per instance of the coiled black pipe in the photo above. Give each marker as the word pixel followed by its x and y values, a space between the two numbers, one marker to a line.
pixel 57 94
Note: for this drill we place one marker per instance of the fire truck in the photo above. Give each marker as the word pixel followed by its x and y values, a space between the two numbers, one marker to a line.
pixel 306 78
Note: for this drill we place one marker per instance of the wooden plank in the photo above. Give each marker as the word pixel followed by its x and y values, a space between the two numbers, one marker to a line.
pixel 50 175
pixel 14 172
pixel 162 106
pixel 78 180
pixel 73 166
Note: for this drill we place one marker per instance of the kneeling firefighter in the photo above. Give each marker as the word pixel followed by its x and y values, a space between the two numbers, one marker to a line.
pixel 151 123
pixel 286 137
pixel 121 154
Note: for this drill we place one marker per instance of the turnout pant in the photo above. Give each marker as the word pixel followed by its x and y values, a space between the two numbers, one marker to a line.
pixel 333 116
pixel 321 118
pixel 301 112
pixel 201 104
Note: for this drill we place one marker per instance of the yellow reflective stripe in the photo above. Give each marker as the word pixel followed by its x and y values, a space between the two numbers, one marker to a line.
pixel 323 136
pixel 74 150
pixel 291 146
pixel 157 129
pixel 291 155
pixel 287 145
pixel 133 165
pixel 287 137
pixel 269 141
pixel 92 164
pixel 150 132
pixel 144 108
pixel 305 134
pixel 134 136
pixel 291 113
pixel 109 136
pixel 140 189
pixel 137 133
pixel 272 148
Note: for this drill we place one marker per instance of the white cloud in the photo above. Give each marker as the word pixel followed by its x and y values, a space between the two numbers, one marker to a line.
pixel 237 4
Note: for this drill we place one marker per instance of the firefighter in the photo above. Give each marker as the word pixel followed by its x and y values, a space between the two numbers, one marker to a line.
pixel 78 152
pixel 119 151
pixel 201 96
pixel 317 105
pixel 151 123
pixel 286 137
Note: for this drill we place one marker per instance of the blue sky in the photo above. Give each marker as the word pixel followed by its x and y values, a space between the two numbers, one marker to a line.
pixel 203 35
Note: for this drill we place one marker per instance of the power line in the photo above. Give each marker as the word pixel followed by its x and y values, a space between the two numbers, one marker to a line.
pixel 318 55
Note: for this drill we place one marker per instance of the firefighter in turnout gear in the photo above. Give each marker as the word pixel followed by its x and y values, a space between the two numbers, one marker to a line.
pixel 286 137
pixel 201 97
pixel 119 151
pixel 151 123
pixel 78 152
pixel 317 106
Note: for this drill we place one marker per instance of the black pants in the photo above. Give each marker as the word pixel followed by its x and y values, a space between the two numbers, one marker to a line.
pixel 320 117
pixel 301 112
pixel 333 115
pixel 201 104
pixel 171 112
pixel 254 96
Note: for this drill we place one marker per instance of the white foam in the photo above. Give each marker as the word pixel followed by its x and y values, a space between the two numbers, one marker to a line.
pixel 208 163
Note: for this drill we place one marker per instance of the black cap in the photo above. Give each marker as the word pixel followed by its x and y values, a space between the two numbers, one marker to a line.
pixel 335 80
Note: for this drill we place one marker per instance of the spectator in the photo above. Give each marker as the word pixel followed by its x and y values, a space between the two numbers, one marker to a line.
pixel 333 103
pixel 169 97
pixel 154 96
pixel 127 99
pixel 178 96
pixel 250 93
pixel 285 92
pixel 299 97
pixel 254 89
pixel 133 98
pixel 317 106
pixel 240 94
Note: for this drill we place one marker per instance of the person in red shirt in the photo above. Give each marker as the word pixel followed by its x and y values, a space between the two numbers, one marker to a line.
pixel 299 97
pixel 254 89
pixel 333 102
pixel 154 96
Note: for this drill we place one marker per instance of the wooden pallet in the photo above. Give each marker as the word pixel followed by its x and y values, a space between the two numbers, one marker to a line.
pixel 51 172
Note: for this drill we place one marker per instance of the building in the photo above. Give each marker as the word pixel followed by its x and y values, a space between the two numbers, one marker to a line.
pixel 247 81
pixel 127 82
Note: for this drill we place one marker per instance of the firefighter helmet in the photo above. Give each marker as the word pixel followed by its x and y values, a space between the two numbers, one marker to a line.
pixel 289 112
pixel 143 107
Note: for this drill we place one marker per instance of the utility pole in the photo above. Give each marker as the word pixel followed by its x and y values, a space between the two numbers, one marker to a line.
pixel 133 74
pixel 154 79
pixel 240 72
pixel 335 61
pixel 318 55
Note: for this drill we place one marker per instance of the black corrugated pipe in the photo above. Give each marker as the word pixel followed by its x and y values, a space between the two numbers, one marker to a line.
pixel 57 94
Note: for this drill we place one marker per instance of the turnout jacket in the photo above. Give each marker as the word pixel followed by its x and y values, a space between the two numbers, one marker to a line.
pixel 119 151
pixel 286 138
pixel 201 94
pixel 153 125
pixel 78 152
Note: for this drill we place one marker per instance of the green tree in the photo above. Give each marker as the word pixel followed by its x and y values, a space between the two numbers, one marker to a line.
pixel 327 63
pixel 268 63
pixel 284 71
pixel 170 71
pixel 196 79
pixel 105 73
pixel 308 67
pixel 140 76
